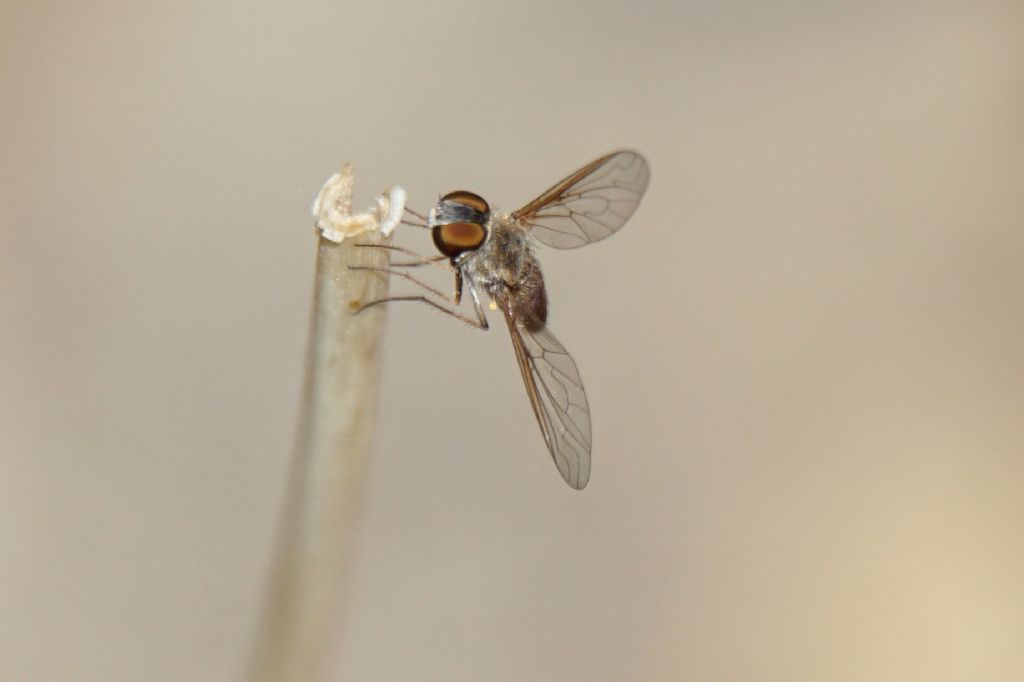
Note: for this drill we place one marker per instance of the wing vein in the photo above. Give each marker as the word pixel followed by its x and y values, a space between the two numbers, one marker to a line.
pixel 590 204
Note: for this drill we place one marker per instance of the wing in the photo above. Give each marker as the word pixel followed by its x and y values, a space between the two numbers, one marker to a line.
pixel 557 397
pixel 590 204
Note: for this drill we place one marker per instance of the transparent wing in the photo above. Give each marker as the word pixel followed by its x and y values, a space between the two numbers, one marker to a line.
pixel 590 204
pixel 556 394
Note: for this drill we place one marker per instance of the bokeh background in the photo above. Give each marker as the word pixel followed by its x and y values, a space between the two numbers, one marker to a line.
pixel 803 355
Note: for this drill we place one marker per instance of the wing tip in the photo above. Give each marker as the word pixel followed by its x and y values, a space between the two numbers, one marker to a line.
pixel 580 481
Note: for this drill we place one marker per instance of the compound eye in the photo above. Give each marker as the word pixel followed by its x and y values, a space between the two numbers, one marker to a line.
pixel 455 238
pixel 469 200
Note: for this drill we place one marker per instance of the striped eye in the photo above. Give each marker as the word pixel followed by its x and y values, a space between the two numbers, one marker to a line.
pixel 467 199
pixel 459 223
pixel 453 239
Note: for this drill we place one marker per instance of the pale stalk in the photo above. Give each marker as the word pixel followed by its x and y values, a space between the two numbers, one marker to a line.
pixel 302 614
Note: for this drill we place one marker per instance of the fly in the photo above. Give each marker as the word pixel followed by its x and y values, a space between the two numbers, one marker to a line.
pixel 491 252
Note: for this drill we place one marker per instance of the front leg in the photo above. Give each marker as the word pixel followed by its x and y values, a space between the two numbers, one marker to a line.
pixel 405 276
pixel 420 260
pixel 479 323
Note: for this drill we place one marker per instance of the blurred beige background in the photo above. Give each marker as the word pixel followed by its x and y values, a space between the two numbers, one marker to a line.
pixel 803 355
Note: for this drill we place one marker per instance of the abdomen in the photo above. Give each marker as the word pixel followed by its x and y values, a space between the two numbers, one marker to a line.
pixel 529 296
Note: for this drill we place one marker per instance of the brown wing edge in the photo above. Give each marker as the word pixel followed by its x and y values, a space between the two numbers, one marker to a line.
pixel 556 190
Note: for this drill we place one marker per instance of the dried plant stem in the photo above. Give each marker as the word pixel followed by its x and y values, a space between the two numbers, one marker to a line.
pixel 301 617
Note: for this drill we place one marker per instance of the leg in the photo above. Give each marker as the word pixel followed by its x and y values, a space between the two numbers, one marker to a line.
pixel 432 260
pixel 421 260
pixel 418 215
pixel 403 275
pixel 476 303
pixel 480 323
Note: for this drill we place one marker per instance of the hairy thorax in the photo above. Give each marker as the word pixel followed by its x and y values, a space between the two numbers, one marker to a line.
pixel 506 267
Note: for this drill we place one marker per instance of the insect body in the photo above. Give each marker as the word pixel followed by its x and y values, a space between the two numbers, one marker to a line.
pixel 492 252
